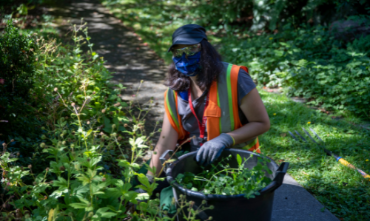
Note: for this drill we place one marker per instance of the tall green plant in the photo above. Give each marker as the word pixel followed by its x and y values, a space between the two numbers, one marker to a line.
pixel 88 154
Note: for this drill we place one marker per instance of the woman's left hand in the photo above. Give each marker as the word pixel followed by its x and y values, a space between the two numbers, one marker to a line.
pixel 212 149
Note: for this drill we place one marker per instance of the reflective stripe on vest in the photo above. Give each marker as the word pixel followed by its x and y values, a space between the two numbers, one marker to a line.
pixel 227 96
pixel 223 110
pixel 170 105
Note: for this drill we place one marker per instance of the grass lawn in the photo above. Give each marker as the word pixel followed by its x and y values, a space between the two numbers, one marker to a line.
pixel 341 190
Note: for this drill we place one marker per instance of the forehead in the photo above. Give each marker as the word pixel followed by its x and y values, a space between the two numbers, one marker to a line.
pixel 181 46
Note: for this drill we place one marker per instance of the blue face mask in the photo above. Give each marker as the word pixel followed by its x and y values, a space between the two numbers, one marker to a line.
pixel 187 66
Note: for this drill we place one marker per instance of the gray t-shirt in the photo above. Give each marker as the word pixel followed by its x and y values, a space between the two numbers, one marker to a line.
pixel 190 123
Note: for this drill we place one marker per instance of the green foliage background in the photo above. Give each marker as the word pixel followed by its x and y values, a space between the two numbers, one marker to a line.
pixel 73 166
pixel 309 63
pixel 80 161
pixel 284 43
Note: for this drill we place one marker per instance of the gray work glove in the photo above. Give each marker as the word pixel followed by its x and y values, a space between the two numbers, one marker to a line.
pixel 212 149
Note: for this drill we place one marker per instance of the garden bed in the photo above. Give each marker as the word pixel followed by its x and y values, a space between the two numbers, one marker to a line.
pixel 73 148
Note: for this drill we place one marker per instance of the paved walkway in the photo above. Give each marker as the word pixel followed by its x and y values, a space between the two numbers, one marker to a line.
pixel 126 57
pixel 130 62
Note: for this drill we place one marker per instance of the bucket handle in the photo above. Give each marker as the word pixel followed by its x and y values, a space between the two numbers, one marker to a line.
pixel 280 173
pixel 278 179
pixel 170 153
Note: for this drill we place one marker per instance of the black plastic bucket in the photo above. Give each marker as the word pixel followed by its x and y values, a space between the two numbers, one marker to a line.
pixel 235 207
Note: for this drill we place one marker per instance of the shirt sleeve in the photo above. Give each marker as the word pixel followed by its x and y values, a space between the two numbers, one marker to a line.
pixel 245 84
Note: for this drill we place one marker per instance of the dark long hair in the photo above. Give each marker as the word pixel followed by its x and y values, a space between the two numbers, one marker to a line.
pixel 210 61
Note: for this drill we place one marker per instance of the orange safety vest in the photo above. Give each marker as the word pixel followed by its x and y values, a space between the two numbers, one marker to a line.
pixel 222 112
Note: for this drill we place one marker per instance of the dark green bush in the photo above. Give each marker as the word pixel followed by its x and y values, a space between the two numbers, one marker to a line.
pixel 17 71
pixel 310 63
pixel 17 60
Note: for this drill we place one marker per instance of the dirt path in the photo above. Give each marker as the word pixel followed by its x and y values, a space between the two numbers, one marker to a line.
pixel 126 57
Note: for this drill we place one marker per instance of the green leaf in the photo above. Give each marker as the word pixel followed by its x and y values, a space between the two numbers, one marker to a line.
pixel 121 86
pixel 108 214
pixel 103 212
pixel 143 206
pixel 123 163
pixel 131 196
pixel 134 119
pixel 119 183
pixel 78 205
pixel 142 196
pixel 61 182
pixel 143 179
pixel 135 166
pixel 239 159
pixel 279 53
pixel 111 192
pixel 123 119
pixel 107 125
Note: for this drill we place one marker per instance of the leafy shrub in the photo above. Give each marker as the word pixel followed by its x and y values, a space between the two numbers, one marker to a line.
pixel 17 72
pixel 16 62
pixel 245 14
pixel 311 64
pixel 86 156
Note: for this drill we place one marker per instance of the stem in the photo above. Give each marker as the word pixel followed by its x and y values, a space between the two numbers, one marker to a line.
pixel 189 213
pixel 147 138
pixel 79 123
pixel 132 158
pixel 121 203
pixel 190 138
pixel 46 172
pixel 138 117
pixel 91 196
pixel 119 145
pixel 137 91
pixel 147 112
pixel 201 179
pixel 84 216
pixel 227 169
pixel 69 176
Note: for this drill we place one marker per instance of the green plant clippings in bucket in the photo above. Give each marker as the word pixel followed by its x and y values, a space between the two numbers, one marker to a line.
pixel 221 179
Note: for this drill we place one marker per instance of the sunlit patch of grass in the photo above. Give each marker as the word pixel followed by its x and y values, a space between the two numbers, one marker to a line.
pixel 341 189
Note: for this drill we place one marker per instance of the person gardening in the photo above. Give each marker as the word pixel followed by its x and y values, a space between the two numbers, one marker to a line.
pixel 213 101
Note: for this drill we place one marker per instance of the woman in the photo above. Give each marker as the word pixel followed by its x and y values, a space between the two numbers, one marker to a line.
pixel 212 100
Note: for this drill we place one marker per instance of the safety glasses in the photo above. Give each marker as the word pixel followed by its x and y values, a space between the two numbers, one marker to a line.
pixel 189 51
